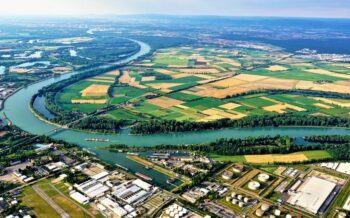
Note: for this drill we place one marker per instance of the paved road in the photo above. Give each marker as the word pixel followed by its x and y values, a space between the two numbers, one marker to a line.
pixel 44 196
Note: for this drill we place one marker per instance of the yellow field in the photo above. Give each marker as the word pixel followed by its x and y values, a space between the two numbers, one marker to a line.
pixel 164 87
pixel 95 90
pixel 19 70
pixel 182 106
pixel 126 79
pixel 113 73
pixel 165 102
pixel 229 82
pixel 327 72
pixel 271 158
pixel 323 106
pixel 90 101
pixel 148 78
pixel 200 71
pixel 282 107
pixel 334 102
pixel 223 114
pixel 275 68
pixel 230 106
pixel 164 71
pixel 250 78
pixel 230 61
pixel 104 78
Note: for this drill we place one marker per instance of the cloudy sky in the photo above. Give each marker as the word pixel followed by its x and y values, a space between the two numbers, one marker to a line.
pixel 290 8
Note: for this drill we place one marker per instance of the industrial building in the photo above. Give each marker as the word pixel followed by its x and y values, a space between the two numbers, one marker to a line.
pixel 309 196
pixel 132 192
pixel 92 188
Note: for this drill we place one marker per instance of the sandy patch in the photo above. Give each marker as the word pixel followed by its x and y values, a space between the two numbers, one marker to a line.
pixel 95 90
pixel 271 158
pixel 164 102
pixel 282 107
pixel 275 68
pixel 61 70
pixel 126 79
pixel 100 80
pixel 19 70
pixel 230 106
pixel 90 101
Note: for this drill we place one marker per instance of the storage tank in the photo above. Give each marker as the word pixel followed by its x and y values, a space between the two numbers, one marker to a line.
pixel 233 194
pixel 241 204
pixel 246 200
pixel 253 185
pixel 289 216
pixel 265 207
pixel 263 177
pixel 259 213
pixel 234 201
pixel 277 212
pixel 228 198
pixel 240 197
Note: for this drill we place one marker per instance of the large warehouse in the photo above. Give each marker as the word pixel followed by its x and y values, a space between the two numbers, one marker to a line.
pixel 309 196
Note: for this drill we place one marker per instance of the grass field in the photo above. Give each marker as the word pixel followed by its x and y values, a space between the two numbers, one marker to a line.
pixel 37 204
pixel 64 202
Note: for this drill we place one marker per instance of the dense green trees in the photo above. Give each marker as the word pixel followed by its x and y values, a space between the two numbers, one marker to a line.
pixel 290 119
pixel 99 124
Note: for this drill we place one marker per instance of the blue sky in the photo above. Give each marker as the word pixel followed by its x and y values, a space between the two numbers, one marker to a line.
pixel 289 8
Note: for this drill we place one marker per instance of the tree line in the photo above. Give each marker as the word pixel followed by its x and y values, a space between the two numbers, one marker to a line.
pixel 289 119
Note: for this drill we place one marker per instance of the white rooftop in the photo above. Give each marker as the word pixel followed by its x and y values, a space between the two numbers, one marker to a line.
pixel 312 194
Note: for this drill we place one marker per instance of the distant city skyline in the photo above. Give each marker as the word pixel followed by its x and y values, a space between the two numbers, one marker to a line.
pixel 279 8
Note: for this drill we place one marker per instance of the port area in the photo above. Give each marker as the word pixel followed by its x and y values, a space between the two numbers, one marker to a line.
pixel 149 165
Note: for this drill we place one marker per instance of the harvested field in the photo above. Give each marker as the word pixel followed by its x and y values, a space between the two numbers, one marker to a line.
pixel 218 112
pixel 200 71
pixel 329 73
pixel 90 101
pixel 340 87
pixel 19 70
pixel 275 68
pixel 148 78
pixel 101 81
pixel 211 118
pixel 325 106
pixel 164 71
pixel 334 102
pixel 250 78
pixel 282 107
pixel 113 73
pixel 230 106
pixel 126 79
pixel 272 158
pixel 95 90
pixel 104 78
pixel 164 87
pixel 182 106
pixel 164 102
pixel 230 61
pixel 229 82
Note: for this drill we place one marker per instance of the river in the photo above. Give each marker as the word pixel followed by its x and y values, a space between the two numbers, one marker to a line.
pixel 17 109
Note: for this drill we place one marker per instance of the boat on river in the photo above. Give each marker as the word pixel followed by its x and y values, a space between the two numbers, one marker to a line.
pixel 142 176
pixel 96 140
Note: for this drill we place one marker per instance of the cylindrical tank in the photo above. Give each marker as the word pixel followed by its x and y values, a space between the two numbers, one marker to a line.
pixel 277 212
pixel 233 194
pixel 246 200
pixel 265 207
pixel 259 213
pixel 240 197
pixel 263 177
pixel 228 198
pixel 234 201
pixel 241 204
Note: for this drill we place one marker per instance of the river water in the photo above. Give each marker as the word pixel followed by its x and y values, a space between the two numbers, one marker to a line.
pixel 17 109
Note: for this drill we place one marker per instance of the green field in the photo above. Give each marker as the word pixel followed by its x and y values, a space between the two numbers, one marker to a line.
pixel 37 204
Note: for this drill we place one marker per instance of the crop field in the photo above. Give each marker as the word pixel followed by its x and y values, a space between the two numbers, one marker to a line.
pixel 200 84
pixel 272 158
